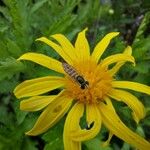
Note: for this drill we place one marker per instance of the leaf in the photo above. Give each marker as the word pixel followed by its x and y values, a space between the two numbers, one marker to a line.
pixel 125 146
pixel 95 144
pixel 13 48
pixel 20 29
pixel 140 131
pixel 37 6
pixel 55 145
pixel 29 144
pixel 7 85
pixel 140 49
pixel 61 24
pixel 143 26
pixel 142 67
pixel 3 50
pixel 9 67
pixel 5 12
pixel 5 117
pixel 20 115
pixel 54 132
pixel 54 138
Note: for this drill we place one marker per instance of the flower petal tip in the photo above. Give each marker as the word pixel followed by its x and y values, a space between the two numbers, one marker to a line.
pixel 85 29
pixel 128 50
pixel 133 60
pixel 40 39
pixel 28 133
pixel 55 35
pixel 20 58
pixel 134 63
pixel 114 33
pixel 129 47
pixel 31 133
pixel 14 91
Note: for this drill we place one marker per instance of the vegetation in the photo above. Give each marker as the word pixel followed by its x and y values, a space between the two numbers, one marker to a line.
pixel 22 21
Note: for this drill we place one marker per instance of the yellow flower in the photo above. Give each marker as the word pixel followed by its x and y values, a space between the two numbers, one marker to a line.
pixel 92 94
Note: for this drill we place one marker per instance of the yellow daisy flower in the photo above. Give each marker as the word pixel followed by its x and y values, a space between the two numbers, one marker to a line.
pixel 88 86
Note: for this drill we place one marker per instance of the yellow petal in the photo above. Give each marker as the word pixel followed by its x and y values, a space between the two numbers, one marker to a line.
pixel 66 46
pixel 132 86
pixel 117 57
pixel 108 102
pixel 38 86
pixel 82 46
pixel 52 114
pixel 102 45
pixel 118 128
pixel 43 60
pixel 115 68
pixel 106 143
pixel 71 123
pixel 136 106
pixel 36 103
pixel 71 145
pixel 93 115
pixel 57 48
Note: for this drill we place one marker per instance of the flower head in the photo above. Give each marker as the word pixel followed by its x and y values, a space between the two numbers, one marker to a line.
pixel 90 83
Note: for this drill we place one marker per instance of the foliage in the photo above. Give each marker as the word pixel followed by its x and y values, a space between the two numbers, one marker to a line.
pixel 22 21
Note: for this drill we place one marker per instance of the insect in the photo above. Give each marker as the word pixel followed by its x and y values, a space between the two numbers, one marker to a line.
pixel 74 75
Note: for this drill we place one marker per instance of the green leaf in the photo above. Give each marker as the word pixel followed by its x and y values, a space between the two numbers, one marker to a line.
pixel 140 131
pixel 61 24
pixel 28 144
pixel 9 67
pixel 37 6
pixel 141 48
pixel 13 48
pixel 56 144
pixel 95 144
pixel 5 12
pixel 143 26
pixel 54 138
pixel 3 50
pixel 5 117
pixel 8 85
pixel 20 115
pixel 54 132
pixel 125 146
pixel 20 29
pixel 142 67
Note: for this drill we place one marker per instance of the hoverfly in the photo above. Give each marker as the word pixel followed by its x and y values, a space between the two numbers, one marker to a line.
pixel 74 75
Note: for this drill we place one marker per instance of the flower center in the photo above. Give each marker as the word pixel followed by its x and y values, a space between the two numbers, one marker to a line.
pixel 96 82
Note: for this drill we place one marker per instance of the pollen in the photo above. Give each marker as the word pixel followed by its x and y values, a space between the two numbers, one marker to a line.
pixel 99 82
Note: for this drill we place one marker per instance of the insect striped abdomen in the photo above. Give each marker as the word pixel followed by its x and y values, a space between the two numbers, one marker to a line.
pixel 70 70
pixel 74 75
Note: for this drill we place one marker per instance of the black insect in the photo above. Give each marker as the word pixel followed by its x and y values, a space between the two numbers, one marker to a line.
pixel 74 75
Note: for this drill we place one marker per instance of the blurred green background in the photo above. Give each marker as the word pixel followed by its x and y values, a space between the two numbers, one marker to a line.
pixel 22 21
